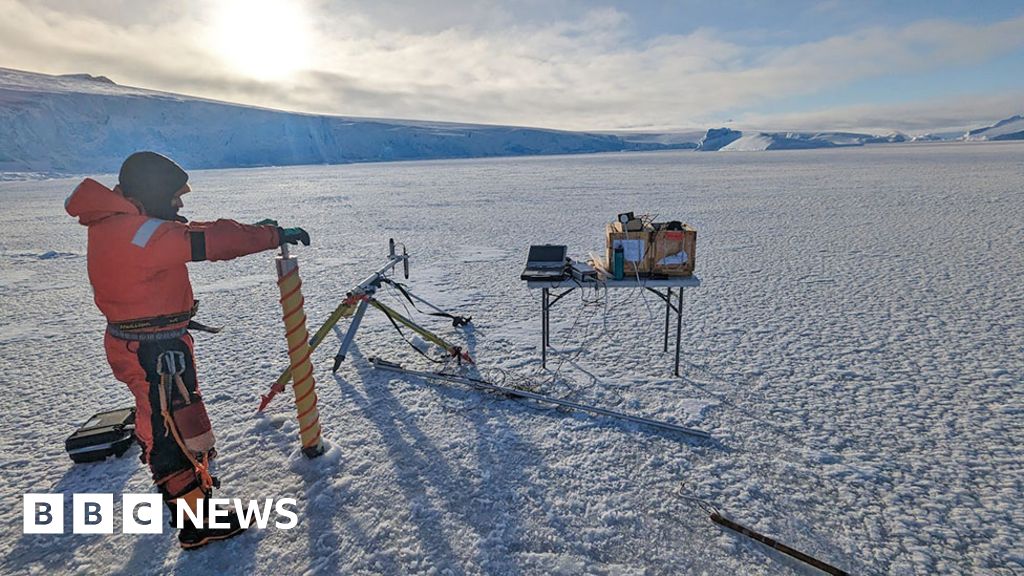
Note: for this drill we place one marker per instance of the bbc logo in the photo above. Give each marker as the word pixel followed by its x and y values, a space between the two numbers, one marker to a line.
pixel 92 514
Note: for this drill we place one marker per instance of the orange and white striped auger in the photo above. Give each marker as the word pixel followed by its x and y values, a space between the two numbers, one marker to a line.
pixel 299 351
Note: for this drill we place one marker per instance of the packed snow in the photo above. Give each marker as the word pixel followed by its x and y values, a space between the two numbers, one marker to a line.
pixel 749 143
pixel 856 351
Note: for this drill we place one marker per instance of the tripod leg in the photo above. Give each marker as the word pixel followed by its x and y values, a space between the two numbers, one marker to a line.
pixel 349 336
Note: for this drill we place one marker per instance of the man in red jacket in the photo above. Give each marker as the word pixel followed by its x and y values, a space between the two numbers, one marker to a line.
pixel 138 248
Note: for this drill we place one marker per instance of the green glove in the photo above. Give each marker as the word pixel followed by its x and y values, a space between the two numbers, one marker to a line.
pixel 266 222
pixel 293 236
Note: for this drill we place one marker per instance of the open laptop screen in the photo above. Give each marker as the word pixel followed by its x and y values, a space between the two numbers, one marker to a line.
pixel 546 254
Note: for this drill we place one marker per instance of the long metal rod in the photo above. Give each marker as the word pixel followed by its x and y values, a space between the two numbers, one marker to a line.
pixel 374 279
pixel 775 544
pixel 516 393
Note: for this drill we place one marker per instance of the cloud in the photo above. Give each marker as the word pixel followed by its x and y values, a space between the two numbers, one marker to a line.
pixel 490 66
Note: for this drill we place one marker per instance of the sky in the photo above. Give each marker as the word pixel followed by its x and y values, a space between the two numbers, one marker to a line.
pixel 870 65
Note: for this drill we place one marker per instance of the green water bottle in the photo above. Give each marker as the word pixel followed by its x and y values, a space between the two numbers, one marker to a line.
pixel 619 263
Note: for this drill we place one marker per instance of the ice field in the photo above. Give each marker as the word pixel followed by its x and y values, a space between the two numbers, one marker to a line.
pixel 856 351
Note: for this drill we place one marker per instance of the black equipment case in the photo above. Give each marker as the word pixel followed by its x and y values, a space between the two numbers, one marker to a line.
pixel 104 434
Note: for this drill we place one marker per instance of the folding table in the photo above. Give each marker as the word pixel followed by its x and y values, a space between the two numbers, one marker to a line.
pixel 567 285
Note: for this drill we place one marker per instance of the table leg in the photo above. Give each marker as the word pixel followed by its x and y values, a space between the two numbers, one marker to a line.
pixel 668 308
pixel 679 326
pixel 544 328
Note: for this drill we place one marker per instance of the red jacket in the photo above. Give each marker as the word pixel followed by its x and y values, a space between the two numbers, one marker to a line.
pixel 137 263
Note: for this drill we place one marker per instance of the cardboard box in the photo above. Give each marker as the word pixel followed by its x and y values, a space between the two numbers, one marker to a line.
pixel 636 246
pixel 674 252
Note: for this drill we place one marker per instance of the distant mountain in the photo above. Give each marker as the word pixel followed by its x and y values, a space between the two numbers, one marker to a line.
pixel 78 123
pixel 939 137
pixel 681 140
pixel 1010 129
pixel 729 140
pixel 82 123
pixel 103 79
pixel 717 138
pixel 891 138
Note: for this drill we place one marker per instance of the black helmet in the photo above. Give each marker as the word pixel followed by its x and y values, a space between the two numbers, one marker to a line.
pixel 152 179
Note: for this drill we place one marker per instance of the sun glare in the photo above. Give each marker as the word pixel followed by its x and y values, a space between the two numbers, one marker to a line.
pixel 263 39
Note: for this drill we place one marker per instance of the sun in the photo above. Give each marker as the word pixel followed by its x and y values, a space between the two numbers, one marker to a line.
pixel 262 39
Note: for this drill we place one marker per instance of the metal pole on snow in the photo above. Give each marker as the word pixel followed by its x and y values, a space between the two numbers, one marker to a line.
pixel 516 393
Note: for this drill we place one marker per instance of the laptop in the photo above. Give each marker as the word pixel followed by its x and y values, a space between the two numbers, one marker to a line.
pixel 545 262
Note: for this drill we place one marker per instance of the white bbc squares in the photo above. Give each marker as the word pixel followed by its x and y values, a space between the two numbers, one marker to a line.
pixel 142 514
pixel 43 514
pixel 92 514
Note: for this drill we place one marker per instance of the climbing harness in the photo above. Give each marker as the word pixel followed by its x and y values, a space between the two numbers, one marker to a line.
pixel 170 365
pixel 147 329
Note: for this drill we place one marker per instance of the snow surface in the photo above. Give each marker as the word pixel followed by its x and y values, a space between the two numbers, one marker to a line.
pixel 749 143
pixel 856 350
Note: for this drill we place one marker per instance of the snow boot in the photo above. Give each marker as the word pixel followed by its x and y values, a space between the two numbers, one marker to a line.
pixel 191 537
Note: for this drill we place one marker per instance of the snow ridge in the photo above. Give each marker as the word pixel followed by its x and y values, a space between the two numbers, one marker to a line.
pixel 81 123
pixel 1009 129
pixel 729 140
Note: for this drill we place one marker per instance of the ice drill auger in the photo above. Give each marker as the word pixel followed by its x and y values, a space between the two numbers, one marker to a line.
pixel 299 352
